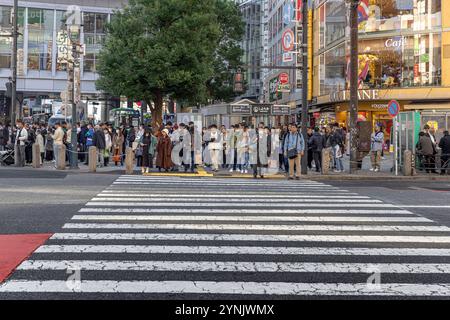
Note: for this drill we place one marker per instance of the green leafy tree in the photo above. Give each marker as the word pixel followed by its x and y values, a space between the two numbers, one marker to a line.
pixel 158 49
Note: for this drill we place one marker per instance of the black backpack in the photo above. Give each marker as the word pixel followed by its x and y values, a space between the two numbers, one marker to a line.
pixel 31 137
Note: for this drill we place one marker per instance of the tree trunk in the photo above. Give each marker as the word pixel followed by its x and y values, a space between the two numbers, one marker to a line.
pixel 157 116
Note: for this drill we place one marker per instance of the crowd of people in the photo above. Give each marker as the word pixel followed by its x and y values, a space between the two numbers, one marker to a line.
pixel 427 149
pixel 241 149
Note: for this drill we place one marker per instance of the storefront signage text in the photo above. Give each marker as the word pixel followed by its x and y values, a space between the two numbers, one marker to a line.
pixel 396 42
pixel 362 95
pixel 240 109
pixel 281 110
pixel 261 109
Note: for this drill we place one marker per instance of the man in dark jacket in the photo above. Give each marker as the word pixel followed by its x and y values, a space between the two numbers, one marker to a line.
pixel 317 143
pixel 99 141
pixel 427 149
pixel 444 144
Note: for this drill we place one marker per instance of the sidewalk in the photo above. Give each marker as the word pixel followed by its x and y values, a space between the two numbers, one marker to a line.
pixel 364 174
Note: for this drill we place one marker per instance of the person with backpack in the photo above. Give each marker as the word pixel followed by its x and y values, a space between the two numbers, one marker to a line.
pixel 89 138
pixel 317 143
pixel 294 149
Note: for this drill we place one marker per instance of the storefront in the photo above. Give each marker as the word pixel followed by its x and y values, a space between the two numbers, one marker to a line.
pixel 247 112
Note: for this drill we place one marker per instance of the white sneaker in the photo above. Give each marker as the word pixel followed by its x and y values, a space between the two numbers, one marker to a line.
pixel 376 170
pixel 245 171
pixel 242 171
pixel 372 169
pixel 231 170
pixel 336 171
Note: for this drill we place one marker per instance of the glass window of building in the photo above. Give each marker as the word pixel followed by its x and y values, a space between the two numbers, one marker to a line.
pixel 40 38
pixel 6 42
pixel 94 25
pixel 388 15
pixel 332 72
pixel 335 19
pixel 401 61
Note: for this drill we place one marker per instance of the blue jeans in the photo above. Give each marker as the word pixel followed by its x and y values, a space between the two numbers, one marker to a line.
pixel 337 161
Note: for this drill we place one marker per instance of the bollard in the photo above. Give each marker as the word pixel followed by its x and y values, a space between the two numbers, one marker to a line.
pixel 129 161
pixel 92 159
pixel 61 161
pixel 326 161
pixel 408 163
pixel 36 156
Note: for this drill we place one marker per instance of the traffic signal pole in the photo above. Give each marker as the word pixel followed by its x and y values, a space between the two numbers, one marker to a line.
pixel 304 52
pixel 353 86
pixel 14 63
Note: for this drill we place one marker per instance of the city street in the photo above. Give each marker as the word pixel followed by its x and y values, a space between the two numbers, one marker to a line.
pixel 117 236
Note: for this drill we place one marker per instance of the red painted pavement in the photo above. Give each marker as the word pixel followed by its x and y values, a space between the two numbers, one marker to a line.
pixel 15 248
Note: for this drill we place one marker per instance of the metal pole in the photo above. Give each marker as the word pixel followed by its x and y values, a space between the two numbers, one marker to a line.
pixel 305 83
pixel 74 142
pixel 14 63
pixel 396 144
pixel 353 85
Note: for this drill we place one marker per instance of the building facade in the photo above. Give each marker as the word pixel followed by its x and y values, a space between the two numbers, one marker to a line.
pixel 252 46
pixel 41 75
pixel 404 54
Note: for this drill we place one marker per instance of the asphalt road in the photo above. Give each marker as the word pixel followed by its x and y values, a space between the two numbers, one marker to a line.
pixel 164 238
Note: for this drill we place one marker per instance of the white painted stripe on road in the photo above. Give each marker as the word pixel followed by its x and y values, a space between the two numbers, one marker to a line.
pixel 251 237
pixel 209 184
pixel 235 266
pixel 224 287
pixel 428 207
pixel 220 181
pixel 252 205
pixel 243 250
pixel 250 218
pixel 255 227
pixel 107 193
pixel 225 200
pixel 249 211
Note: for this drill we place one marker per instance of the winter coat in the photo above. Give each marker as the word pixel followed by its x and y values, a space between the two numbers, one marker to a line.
pixel 40 142
pixel 263 148
pixel 164 153
pixel 426 146
pixel 317 142
pixel 58 136
pixel 118 142
pixel 214 139
pixel 444 144
pixel 99 140
pixel 377 141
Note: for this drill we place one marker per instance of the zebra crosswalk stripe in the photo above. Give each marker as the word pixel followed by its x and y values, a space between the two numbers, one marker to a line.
pixel 198 229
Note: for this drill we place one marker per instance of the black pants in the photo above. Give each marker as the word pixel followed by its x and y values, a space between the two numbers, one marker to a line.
pixel 445 164
pixel 310 158
pixel 317 155
pixel 430 163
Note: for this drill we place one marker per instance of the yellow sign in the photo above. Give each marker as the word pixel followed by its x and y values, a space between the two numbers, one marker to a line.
pixel 433 124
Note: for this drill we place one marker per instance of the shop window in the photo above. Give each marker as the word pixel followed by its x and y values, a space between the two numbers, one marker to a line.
pixel 387 15
pixel 94 25
pixel 6 42
pixel 40 39
pixel 400 61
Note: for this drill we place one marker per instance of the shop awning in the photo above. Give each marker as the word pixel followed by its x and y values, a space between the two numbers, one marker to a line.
pixel 428 106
